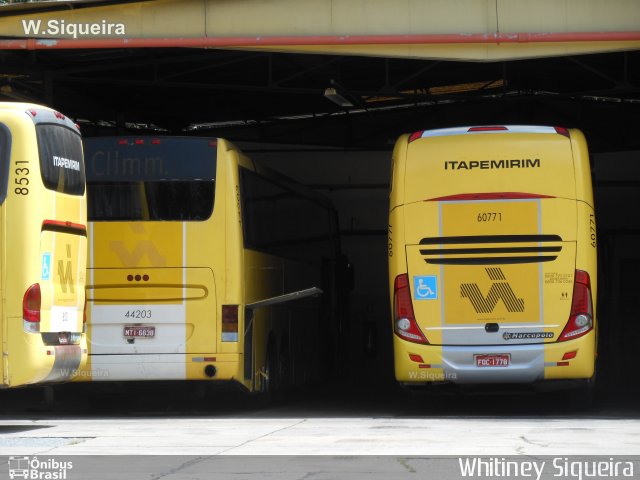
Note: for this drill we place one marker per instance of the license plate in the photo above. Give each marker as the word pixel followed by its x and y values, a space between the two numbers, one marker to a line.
pixel 138 331
pixel 498 360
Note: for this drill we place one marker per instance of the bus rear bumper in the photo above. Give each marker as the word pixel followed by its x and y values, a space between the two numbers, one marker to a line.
pixel 171 366
pixel 527 363
pixel 33 362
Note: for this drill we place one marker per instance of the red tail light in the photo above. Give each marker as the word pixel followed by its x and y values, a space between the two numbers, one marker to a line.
pixel 562 131
pixel 229 323
pixel 491 128
pixel 404 321
pixel 415 135
pixel 581 319
pixel 31 308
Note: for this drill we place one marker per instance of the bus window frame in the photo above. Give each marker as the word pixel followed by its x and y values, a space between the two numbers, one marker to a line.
pixel 90 196
pixel 45 181
pixel 247 244
pixel 5 160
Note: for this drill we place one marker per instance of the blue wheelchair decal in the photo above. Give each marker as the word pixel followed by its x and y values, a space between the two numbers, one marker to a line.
pixel 46 266
pixel 425 287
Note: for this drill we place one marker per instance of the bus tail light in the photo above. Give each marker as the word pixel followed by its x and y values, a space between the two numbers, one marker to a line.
pixel 415 135
pixel 31 309
pixel 581 318
pixel 489 128
pixel 404 321
pixel 229 323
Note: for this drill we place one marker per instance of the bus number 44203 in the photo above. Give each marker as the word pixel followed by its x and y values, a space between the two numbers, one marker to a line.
pixel 138 314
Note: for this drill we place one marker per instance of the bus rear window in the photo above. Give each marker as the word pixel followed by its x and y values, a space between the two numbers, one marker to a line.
pixel 168 200
pixel 144 179
pixel 61 163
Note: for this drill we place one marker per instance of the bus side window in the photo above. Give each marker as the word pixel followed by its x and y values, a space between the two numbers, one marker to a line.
pixel 5 160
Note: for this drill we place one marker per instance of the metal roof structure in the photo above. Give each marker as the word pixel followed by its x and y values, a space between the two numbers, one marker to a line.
pixel 254 70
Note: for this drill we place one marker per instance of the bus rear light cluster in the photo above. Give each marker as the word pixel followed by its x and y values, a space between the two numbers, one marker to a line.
pixel 581 318
pixel 488 129
pixel 229 323
pixel 31 309
pixel 415 135
pixel 404 321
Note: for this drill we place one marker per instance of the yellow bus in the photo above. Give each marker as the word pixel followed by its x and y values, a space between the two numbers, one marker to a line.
pixel 492 256
pixel 43 217
pixel 204 265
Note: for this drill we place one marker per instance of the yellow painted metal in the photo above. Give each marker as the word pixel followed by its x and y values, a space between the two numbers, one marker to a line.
pixel 292 20
pixel 177 276
pixel 25 243
pixel 554 198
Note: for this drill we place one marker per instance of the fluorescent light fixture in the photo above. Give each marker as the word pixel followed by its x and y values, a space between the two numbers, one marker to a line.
pixel 333 95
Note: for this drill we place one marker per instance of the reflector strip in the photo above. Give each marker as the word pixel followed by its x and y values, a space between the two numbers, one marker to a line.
pixel 203 359
pixel 416 358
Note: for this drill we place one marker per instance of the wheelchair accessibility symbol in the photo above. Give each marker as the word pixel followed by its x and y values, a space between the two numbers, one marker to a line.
pixel 46 266
pixel 425 287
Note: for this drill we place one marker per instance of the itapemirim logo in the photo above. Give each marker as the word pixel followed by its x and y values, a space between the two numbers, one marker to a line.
pixel 500 290
pixel 61 28
pixel 34 469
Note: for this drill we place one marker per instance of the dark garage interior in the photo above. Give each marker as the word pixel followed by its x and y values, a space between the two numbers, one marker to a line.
pixel 273 105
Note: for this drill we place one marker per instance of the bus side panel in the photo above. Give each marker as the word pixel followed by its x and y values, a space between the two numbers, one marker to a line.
pixel 229 259
pixel 398 164
pixel 584 187
pixel 264 278
pixel 25 357
pixel 54 260
pixel 583 365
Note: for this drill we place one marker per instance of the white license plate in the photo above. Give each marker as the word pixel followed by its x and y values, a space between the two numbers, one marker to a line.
pixel 493 360
pixel 139 331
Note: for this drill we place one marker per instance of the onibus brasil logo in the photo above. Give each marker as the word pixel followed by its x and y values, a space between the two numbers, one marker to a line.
pixel 35 469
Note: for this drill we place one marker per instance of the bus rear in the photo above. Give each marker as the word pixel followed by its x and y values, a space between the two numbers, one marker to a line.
pixel 493 256
pixel 155 243
pixel 44 245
